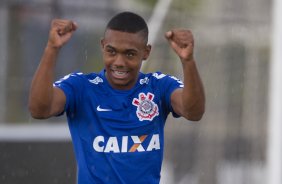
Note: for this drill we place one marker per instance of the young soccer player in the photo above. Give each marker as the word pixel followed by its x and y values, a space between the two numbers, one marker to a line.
pixel 116 117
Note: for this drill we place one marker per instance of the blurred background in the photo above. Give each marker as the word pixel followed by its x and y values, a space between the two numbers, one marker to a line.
pixel 233 53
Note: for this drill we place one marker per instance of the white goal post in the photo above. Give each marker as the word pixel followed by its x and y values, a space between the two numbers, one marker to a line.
pixel 274 144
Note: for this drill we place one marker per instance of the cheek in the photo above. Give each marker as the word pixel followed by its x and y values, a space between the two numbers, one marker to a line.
pixel 136 66
pixel 107 65
pixel 133 63
pixel 107 60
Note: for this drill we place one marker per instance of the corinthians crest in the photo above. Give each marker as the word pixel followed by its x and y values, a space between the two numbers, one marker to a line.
pixel 146 107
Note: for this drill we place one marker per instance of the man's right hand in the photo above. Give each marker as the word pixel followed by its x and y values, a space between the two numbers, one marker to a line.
pixel 60 33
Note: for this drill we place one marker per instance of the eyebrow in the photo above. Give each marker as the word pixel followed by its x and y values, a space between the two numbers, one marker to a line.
pixel 127 50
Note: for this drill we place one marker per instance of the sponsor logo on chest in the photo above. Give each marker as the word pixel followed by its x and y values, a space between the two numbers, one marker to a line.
pixel 126 144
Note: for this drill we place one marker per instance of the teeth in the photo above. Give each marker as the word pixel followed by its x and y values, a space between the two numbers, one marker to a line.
pixel 120 73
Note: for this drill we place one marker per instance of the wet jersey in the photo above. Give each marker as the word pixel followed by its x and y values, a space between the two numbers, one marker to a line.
pixel 118 135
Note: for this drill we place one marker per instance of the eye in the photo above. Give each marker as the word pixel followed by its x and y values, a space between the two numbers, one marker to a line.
pixel 110 51
pixel 130 54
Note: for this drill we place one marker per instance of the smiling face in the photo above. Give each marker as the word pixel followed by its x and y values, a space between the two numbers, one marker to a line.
pixel 123 54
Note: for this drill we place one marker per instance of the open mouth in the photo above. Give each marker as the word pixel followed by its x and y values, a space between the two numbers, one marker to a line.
pixel 120 74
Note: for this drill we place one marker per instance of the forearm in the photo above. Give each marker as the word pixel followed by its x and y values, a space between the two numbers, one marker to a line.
pixel 193 96
pixel 41 91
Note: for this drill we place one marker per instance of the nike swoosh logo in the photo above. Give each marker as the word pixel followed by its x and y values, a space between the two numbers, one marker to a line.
pixel 102 110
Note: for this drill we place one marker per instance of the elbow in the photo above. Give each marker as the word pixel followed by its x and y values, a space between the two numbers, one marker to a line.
pixel 36 112
pixel 195 115
pixel 37 116
pixel 197 111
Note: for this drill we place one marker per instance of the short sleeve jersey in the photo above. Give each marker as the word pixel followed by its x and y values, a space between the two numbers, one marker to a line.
pixel 118 135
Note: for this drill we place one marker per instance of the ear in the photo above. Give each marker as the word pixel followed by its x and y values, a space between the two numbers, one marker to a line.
pixel 147 51
pixel 102 43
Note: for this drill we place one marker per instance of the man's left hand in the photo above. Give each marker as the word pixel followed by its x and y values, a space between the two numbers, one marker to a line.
pixel 182 42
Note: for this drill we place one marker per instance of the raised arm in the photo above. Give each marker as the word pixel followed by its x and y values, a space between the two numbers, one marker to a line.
pixel 188 102
pixel 44 99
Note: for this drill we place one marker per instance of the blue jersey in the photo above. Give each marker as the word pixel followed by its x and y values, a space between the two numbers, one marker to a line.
pixel 118 135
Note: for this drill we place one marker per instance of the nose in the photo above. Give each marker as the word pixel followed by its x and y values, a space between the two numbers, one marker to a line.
pixel 119 61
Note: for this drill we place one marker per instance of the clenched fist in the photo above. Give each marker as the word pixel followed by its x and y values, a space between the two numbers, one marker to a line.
pixel 60 32
pixel 182 42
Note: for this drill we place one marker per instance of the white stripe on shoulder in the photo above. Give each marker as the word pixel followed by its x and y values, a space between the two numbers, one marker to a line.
pixel 96 80
pixel 159 76
pixel 66 77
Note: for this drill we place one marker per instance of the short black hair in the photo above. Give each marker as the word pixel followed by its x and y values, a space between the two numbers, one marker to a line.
pixel 128 22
